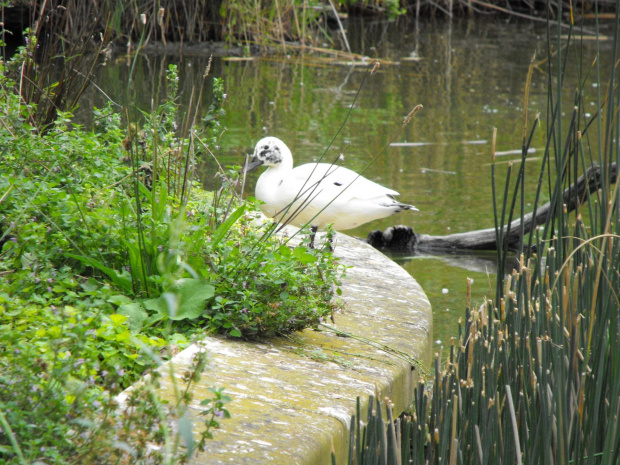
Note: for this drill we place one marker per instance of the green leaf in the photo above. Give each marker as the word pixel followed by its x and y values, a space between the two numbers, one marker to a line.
pixel 185 300
pixel 223 228
pixel 136 262
pixel 179 340
pixel 285 251
pixel 159 201
pixel 153 319
pixel 135 313
pixel 301 254
pixel 6 450
pixel 184 426
pixel 145 191
pixel 124 447
pixel 90 285
pixel 159 305
pixel 115 277
pixel 116 319
pixel 119 299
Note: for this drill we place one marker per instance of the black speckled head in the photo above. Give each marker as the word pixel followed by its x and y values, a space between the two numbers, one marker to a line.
pixel 271 151
pixel 268 150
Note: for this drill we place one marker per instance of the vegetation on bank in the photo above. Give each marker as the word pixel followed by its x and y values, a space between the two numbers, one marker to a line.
pixel 112 259
pixel 247 22
pixel 533 376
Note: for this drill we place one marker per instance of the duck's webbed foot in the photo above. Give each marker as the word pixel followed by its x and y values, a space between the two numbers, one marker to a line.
pixel 330 243
pixel 313 230
pixel 330 239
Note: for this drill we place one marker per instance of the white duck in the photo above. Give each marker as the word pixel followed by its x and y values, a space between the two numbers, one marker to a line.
pixel 317 194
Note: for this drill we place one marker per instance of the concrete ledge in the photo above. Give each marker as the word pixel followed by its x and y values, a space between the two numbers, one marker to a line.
pixel 290 409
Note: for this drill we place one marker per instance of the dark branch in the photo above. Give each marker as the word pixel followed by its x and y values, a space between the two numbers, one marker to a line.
pixel 403 239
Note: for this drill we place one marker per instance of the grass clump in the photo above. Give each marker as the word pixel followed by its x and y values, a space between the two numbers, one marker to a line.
pixel 112 260
pixel 114 209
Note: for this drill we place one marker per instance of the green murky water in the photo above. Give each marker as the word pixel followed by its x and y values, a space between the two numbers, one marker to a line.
pixel 469 75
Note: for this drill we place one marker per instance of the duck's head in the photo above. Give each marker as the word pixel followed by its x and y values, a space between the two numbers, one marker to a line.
pixel 270 151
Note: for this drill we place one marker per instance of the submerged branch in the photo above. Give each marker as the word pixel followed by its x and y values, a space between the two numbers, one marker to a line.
pixel 404 239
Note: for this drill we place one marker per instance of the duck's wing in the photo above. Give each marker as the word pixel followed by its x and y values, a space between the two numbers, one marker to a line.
pixel 337 181
pixel 326 193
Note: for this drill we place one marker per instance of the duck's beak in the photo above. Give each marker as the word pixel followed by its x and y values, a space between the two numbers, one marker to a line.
pixel 252 164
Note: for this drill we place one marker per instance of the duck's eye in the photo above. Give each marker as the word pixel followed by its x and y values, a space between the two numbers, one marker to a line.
pixel 338 184
pixel 266 147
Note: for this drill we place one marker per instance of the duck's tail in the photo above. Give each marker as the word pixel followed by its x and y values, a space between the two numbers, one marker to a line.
pixel 399 207
pixel 403 206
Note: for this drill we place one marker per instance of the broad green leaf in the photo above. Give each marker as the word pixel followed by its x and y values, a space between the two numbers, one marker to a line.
pixel 285 251
pixel 118 319
pixel 153 319
pixel 185 300
pixel 179 340
pixel 135 313
pixel 119 299
pixel 301 254
pixel 158 305
pixel 123 336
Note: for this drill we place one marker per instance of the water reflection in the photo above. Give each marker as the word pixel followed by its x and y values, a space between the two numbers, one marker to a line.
pixel 470 77
pixel 474 261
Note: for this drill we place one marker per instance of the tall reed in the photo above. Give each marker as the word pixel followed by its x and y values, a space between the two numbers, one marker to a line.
pixel 52 71
pixel 533 376
pixel 249 22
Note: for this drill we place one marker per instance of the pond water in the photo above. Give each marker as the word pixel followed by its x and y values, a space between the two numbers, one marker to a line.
pixel 470 77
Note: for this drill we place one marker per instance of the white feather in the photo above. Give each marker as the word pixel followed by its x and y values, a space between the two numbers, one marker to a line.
pixel 317 193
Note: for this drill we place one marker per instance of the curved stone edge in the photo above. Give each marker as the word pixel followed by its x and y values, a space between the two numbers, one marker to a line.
pixel 289 408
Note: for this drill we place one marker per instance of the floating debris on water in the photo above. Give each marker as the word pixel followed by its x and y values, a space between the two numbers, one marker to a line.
pixel 514 152
pixel 430 170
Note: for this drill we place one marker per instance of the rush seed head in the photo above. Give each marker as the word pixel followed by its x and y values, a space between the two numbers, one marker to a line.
pixel 411 114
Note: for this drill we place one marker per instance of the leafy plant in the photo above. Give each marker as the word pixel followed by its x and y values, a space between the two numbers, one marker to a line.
pixel 57 390
pixel 216 409
pixel 111 260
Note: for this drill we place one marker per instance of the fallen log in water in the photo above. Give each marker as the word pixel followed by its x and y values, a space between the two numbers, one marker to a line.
pixel 404 239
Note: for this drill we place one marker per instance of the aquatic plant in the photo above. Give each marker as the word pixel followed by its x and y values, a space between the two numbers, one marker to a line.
pixel 532 376
pixel 273 22
pixel 283 25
